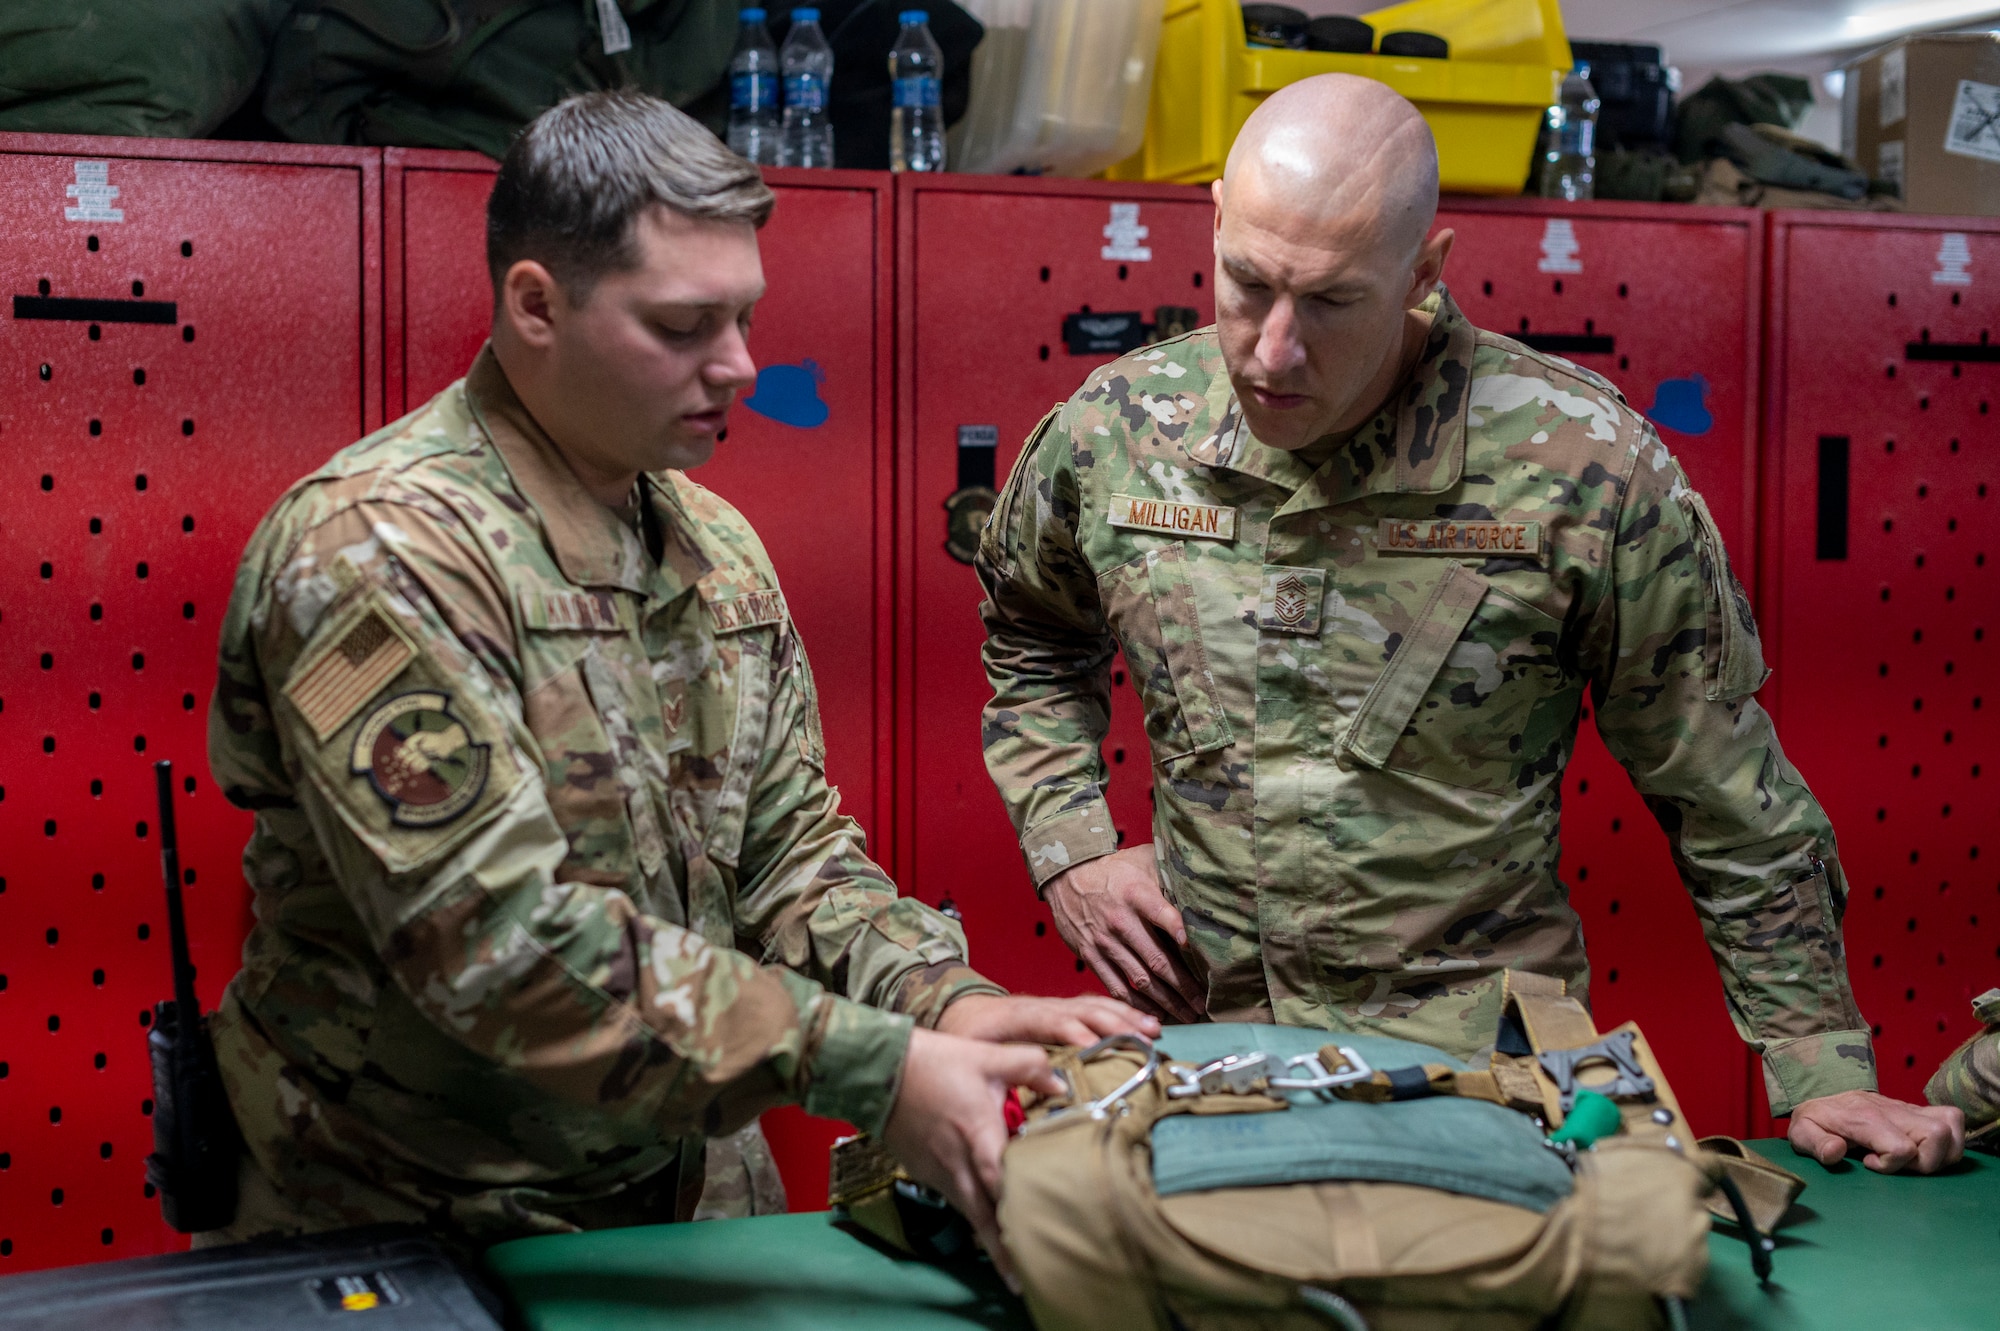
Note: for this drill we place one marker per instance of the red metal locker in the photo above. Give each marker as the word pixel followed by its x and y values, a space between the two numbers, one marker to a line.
pixel 193 326
pixel 989 270
pixel 807 458
pixel 1665 301
pixel 1879 523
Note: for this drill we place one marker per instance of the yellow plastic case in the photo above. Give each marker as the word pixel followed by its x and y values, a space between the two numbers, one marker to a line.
pixel 1484 104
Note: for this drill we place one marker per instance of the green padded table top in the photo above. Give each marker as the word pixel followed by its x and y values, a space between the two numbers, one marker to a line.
pixel 1865 1251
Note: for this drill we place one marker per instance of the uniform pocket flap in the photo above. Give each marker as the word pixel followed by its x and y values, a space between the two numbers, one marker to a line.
pixel 1734 654
pixel 1397 692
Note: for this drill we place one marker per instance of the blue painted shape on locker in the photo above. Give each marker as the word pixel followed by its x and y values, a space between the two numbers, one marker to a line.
pixel 1682 405
pixel 789 395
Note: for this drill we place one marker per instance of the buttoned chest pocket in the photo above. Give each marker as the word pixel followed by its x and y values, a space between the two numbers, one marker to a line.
pixel 1150 605
pixel 1475 694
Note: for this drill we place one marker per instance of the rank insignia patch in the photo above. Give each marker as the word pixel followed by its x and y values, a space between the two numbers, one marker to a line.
pixel 420 759
pixel 1291 600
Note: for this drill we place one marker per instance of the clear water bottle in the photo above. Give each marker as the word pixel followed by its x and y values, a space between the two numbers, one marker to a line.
pixel 807 65
pixel 1569 140
pixel 753 92
pixel 916 122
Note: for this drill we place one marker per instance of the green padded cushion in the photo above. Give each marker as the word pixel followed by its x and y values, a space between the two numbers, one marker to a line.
pixel 1462 1146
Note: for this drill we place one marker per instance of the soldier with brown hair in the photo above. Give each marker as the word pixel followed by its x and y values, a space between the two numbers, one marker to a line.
pixel 550 884
pixel 1365 563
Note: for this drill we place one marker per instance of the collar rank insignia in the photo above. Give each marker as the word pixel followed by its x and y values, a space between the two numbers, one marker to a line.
pixel 420 759
pixel 1207 521
pixel 1291 600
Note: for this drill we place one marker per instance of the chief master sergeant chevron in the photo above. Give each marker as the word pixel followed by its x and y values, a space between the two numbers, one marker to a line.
pixel 534 751
pixel 1364 560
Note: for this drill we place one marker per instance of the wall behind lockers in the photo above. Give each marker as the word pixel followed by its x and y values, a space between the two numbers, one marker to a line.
pixel 192 326
pixel 1881 510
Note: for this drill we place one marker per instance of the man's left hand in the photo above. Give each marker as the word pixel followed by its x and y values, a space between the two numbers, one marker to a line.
pixel 1889 1135
pixel 1079 1021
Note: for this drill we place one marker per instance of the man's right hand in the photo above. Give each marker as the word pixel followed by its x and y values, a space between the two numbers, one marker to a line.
pixel 1106 910
pixel 949 1127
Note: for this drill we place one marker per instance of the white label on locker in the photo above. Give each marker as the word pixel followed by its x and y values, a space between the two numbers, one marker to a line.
pixel 1974 130
pixel 1559 247
pixel 93 192
pixel 979 436
pixel 1894 99
pixel 1954 257
pixel 1125 233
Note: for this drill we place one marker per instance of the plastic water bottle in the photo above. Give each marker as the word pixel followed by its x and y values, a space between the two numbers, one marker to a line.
pixel 807 64
pixel 753 92
pixel 916 123
pixel 1569 152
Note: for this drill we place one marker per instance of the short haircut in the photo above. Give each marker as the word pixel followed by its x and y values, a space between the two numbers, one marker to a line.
pixel 573 184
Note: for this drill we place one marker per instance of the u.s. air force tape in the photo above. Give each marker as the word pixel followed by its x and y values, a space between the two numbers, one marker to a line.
pixel 1210 521
pixel 1449 536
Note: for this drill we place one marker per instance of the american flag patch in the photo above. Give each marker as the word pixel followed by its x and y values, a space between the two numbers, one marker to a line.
pixel 331 687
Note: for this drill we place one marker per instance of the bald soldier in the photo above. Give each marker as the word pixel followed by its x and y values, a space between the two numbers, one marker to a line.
pixel 1365 561
pixel 550 883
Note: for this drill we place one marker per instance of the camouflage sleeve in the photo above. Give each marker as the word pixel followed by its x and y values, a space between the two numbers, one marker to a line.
pixel 808 893
pixel 1048 656
pixel 1970 1078
pixel 383 645
pixel 1675 659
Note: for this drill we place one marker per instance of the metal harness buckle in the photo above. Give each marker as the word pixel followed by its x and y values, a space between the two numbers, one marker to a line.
pixel 1100 1109
pixel 1630 1083
pixel 1254 1073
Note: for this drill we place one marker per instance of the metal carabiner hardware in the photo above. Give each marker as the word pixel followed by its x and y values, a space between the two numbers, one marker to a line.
pixel 1355 1069
pixel 1232 1074
pixel 1100 1109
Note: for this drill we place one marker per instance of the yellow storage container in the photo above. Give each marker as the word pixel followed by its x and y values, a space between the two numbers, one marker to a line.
pixel 1484 104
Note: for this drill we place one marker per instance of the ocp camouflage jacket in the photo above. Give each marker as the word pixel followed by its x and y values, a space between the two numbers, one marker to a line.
pixel 1362 684
pixel 531 810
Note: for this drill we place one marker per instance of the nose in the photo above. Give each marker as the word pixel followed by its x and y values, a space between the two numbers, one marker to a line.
pixel 731 365
pixel 1279 350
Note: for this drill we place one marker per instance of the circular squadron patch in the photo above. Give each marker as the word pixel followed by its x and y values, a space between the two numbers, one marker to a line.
pixel 420 759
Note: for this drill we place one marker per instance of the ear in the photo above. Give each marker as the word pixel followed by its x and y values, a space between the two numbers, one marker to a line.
pixel 1429 268
pixel 531 303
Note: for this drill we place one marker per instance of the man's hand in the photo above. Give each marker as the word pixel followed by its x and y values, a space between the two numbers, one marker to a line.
pixel 1889 1135
pixel 948 1126
pixel 1106 910
pixel 1079 1021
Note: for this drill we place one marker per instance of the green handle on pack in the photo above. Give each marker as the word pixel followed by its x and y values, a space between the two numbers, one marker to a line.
pixel 1591 1116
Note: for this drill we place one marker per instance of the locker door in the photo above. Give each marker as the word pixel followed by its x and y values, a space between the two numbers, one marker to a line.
pixel 185 338
pixel 1663 302
pixel 1883 521
pixel 989 274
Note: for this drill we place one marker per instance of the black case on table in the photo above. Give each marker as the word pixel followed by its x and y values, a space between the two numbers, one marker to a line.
pixel 378 1278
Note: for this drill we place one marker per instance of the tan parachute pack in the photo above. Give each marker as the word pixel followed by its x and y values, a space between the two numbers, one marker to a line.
pixel 1098 1245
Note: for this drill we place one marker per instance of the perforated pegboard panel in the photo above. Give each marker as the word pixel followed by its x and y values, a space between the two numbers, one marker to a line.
pixel 816 490
pixel 1665 302
pixel 989 270
pixel 1881 518
pixel 231 346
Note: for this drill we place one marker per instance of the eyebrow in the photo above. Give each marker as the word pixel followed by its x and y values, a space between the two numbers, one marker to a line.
pixel 1243 271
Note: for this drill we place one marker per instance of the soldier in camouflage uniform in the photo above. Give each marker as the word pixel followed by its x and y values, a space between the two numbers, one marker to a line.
pixel 550 883
pixel 1364 561
pixel 1969 1080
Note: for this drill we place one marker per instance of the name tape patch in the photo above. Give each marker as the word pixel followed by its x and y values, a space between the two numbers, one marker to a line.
pixel 600 612
pixel 331 687
pixel 748 610
pixel 1208 521
pixel 1449 536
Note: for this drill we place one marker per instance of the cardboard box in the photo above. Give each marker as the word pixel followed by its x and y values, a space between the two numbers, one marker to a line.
pixel 1925 112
